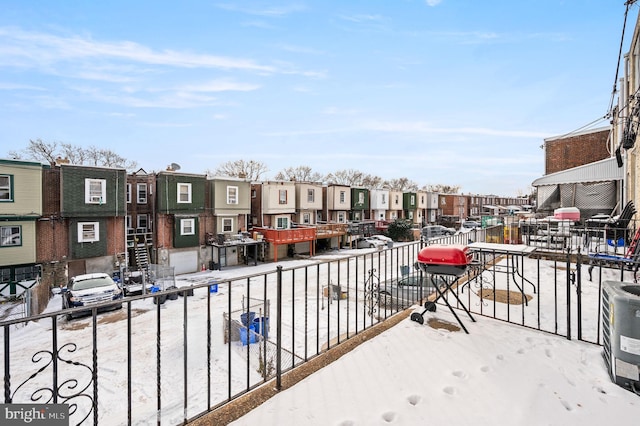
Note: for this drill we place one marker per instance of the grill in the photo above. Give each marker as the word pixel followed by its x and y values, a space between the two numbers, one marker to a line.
pixel 440 261
pixel 445 260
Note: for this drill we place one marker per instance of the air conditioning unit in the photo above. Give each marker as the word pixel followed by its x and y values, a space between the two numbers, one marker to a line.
pixel 621 332
pixel 96 199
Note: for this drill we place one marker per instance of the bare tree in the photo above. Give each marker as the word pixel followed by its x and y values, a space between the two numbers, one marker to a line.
pixel 371 182
pixel 299 174
pixel 401 184
pixel 443 189
pixel 50 152
pixel 38 150
pixel 251 170
pixel 349 177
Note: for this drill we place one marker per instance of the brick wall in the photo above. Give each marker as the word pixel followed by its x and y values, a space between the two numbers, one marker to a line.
pixel 164 231
pixel 573 151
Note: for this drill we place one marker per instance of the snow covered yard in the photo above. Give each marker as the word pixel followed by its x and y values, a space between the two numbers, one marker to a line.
pixel 197 369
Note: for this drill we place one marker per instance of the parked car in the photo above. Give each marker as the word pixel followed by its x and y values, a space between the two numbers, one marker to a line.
pixel 90 289
pixel 405 291
pixel 470 224
pixel 368 242
pixel 432 231
pixel 386 240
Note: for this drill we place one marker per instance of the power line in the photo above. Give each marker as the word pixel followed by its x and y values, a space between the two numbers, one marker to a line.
pixel 628 4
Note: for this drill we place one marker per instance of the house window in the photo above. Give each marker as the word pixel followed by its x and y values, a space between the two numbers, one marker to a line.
pixel 184 193
pixel 282 197
pixel 6 190
pixel 88 232
pixel 142 193
pixel 95 191
pixel 341 217
pixel 306 218
pixel 384 198
pixel 128 224
pixel 412 200
pixel 10 236
pixel 187 226
pixel 342 197
pixel 232 195
pixel 360 197
pixel 397 200
pixel 227 224
pixel 311 195
pixel 143 222
pixel 128 193
pixel 254 193
pixel 282 223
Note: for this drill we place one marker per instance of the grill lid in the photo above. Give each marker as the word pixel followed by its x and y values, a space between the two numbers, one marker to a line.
pixel 446 255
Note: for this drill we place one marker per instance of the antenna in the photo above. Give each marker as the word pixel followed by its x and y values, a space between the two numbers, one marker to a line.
pixel 175 166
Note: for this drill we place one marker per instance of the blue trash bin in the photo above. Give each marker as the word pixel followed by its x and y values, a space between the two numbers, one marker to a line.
pixel 261 326
pixel 247 318
pixel 253 337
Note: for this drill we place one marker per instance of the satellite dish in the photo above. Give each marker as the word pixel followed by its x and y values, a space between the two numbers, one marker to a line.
pixel 175 166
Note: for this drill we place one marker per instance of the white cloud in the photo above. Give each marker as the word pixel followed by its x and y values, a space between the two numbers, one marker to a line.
pixel 433 2
pixel 49 49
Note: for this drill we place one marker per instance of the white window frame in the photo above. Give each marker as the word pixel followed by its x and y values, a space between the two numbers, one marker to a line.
pixel 341 217
pixel 128 193
pixel 142 221
pixel 232 195
pixel 311 195
pixel 186 186
pixel 343 197
pixel 282 196
pixel 93 196
pixel 227 224
pixel 142 200
pixel 6 188
pixel 360 197
pixel 6 232
pixel 185 224
pixel 282 222
pixel 88 232
pixel 306 218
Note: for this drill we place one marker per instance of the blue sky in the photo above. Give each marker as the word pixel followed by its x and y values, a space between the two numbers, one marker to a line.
pixel 455 92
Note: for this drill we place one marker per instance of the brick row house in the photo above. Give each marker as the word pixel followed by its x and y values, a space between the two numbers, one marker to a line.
pixel 69 219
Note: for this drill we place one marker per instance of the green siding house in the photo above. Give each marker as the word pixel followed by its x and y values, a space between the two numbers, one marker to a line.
pixel 410 205
pixel 93 201
pixel 182 196
pixel 359 203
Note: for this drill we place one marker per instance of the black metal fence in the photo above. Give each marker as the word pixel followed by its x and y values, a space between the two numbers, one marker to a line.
pixel 173 356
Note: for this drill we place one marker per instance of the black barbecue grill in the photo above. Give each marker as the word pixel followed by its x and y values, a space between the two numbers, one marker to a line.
pixel 445 264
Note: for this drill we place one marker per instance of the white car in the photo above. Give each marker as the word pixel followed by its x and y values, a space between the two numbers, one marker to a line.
pixel 368 242
pixel 90 289
pixel 382 238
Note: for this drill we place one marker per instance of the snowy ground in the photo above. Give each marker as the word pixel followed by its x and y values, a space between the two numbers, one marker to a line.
pixel 409 375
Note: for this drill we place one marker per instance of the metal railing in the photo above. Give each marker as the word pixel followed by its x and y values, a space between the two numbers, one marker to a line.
pixel 210 343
